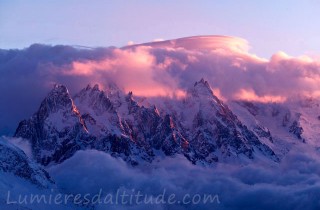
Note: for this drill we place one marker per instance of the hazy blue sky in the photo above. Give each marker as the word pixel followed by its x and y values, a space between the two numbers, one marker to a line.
pixel 269 26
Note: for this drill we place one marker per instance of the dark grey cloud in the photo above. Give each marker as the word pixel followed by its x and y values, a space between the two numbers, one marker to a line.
pixel 27 75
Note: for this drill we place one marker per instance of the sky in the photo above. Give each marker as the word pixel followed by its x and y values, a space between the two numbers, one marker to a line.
pixel 269 26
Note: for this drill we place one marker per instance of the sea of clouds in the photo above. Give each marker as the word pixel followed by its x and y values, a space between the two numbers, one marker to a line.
pixel 292 184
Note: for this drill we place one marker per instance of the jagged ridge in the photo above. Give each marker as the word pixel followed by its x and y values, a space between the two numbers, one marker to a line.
pixel 201 127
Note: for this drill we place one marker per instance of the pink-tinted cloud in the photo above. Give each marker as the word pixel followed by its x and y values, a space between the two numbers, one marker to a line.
pixel 250 95
pixel 134 70
pixel 161 68
pixel 165 67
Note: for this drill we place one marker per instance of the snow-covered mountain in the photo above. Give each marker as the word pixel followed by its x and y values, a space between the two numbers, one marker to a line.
pixel 25 184
pixel 14 161
pixel 200 127
pixel 119 130
pixel 56 130
pixel 19 174
pixel 282 125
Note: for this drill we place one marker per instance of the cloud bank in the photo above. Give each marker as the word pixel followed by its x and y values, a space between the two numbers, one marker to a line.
pixel 161 68
pixel 294 184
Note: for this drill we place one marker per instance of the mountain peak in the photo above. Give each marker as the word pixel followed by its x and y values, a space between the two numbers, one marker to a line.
pixel 58 94
pixel 58 98
pixel 112 87
pixel 201 87
pixel 129 96
pixel 94 88
pixel 202 82
pixel 88 87
pixel 58 88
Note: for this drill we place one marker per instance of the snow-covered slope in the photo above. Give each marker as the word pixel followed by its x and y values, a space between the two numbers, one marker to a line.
pixel 268 121
pixel 306 112
pixel 282 125
pixel 24 184
pixel 14 161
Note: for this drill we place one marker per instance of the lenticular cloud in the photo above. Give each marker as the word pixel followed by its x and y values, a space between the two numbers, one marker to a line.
pixel 162 68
